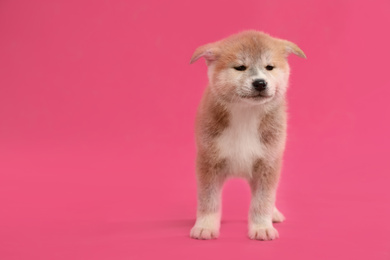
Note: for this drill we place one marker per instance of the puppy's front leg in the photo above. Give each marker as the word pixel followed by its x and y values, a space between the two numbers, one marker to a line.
pixel 263 186
pixel 208 217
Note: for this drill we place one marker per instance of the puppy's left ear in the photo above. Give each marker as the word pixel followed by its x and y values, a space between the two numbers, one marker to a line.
pixel 208 52
pixel 291 47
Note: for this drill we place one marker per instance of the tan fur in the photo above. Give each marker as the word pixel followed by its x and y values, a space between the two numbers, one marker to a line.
pixel 230 109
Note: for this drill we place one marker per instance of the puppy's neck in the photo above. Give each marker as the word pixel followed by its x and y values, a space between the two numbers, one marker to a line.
pixel 245 112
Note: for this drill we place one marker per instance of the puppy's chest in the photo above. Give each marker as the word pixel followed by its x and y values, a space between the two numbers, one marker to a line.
pixel 240 143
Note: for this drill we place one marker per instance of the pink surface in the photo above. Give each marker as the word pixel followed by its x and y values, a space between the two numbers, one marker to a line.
pixel 97 103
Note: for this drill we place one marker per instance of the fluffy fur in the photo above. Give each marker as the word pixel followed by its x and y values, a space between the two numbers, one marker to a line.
pixel 241 132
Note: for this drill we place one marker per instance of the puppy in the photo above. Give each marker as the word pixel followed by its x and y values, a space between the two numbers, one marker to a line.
pixel 241 127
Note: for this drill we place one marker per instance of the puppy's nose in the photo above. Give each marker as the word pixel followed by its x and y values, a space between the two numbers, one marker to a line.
pixel 259 84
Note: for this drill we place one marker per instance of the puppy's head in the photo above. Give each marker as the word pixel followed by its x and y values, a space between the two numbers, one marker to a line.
pixel 248 67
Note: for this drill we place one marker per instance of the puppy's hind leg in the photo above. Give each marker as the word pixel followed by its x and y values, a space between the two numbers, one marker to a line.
pixel 277 216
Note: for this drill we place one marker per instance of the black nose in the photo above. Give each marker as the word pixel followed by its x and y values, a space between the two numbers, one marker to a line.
pixel 259 84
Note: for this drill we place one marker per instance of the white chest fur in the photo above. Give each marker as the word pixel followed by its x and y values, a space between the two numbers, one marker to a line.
pixel 240 142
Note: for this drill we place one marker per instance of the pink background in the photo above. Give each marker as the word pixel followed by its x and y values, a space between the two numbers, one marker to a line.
pixel 97 104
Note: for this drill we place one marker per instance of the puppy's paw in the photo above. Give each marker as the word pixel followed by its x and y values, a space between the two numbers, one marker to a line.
pixel 263 233
pixel 199 232
pixel 277 216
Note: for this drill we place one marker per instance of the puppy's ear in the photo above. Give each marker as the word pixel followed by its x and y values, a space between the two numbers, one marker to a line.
pixel 290 47
pixel 208 51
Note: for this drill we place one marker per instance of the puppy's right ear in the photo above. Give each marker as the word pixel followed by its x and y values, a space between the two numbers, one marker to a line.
pixel 208 51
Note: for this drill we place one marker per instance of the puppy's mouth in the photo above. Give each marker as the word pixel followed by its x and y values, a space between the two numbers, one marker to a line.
pixel 257 96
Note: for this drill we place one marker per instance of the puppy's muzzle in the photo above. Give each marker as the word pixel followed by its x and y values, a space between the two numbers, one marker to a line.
pixel 259 85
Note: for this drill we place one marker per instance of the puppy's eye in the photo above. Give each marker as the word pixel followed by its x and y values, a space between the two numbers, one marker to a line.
pixel 240 68
pixel 269 67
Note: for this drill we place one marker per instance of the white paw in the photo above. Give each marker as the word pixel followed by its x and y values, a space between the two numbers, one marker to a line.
pixel 198 232
pixel 263 233
pixel 277 216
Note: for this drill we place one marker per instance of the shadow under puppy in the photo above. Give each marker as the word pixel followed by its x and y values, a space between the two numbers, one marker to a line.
pixel 241 127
